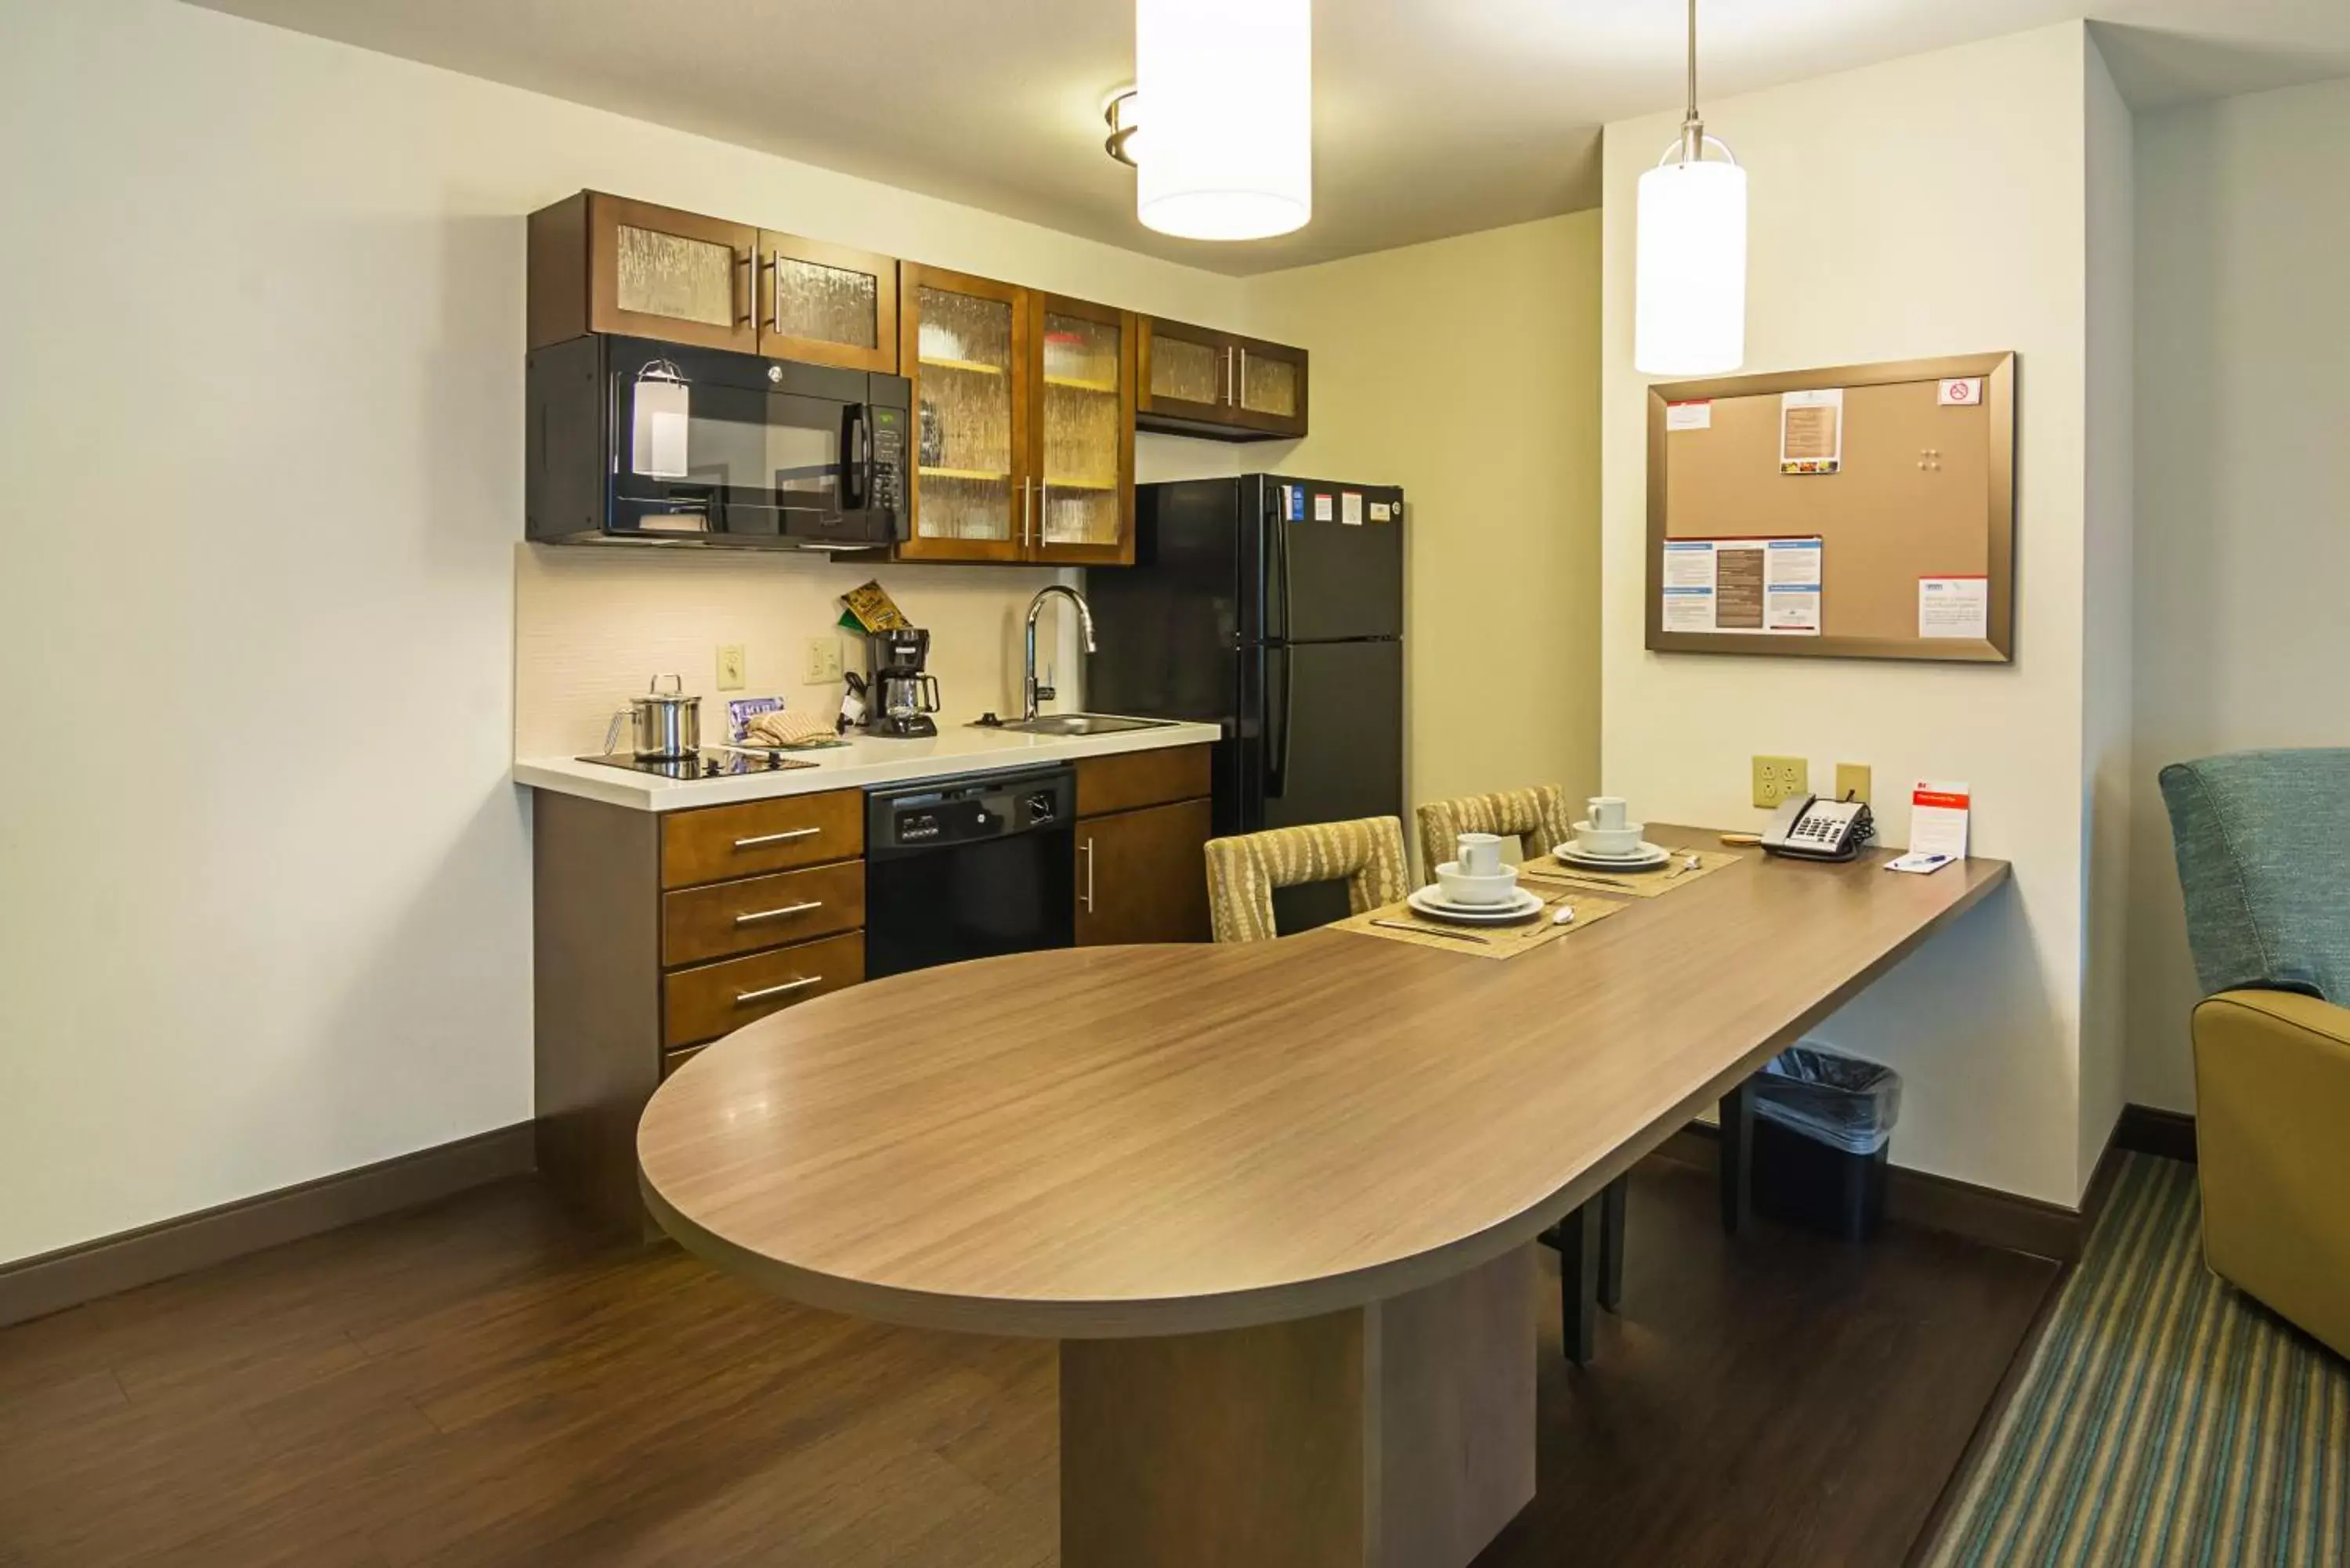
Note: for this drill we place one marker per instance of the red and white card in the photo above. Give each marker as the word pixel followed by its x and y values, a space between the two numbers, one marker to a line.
pixel 1938 819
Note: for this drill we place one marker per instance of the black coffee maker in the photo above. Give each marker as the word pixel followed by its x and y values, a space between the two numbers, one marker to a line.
pixel 903 696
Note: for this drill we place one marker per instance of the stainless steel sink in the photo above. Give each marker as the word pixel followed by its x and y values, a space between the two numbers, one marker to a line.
pixel 1079 725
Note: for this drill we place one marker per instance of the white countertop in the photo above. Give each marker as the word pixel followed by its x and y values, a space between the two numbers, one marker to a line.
pixel 956 749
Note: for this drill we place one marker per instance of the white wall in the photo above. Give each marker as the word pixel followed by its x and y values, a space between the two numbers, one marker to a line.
pixel 2109 799
pixel 1929 206
pixel 1467 370
pixel 267 906
pixel 2243 468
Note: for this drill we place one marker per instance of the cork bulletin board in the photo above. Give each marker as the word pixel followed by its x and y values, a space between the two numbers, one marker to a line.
pixel 1878 499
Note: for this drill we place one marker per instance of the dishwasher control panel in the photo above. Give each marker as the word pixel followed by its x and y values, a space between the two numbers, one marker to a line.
pixel 907 819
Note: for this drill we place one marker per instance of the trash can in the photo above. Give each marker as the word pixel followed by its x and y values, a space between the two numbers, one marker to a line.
pixel 1823 1124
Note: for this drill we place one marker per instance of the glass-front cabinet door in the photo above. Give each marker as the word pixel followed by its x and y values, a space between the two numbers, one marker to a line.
pixel 1199 381
pixel 654 272
pixel 827 305
pixel 964 342
pixel 1184 370
pixel 1085 458
pixel 1269 387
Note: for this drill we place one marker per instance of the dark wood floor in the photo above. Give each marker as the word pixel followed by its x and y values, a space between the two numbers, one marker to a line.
pixel 474 1384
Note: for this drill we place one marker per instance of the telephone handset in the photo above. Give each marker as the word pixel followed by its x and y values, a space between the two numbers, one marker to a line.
pixel 1810 829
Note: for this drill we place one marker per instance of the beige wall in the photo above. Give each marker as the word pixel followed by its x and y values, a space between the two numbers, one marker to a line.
pixel 1929 206
pixel 270 917
pixel 1466 370
pixel 2243 466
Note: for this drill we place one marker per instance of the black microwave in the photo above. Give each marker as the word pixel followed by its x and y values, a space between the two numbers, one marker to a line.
pixel 634 440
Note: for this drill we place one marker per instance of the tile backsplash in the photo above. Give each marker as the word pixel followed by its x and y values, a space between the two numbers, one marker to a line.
pixel 594 624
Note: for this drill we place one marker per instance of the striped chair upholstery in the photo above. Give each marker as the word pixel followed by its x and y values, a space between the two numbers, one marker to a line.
pixel 1539 818
pixel 1243 872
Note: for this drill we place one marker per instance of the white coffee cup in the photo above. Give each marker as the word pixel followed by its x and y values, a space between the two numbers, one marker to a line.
pixel 1480 854
pixel 1604 811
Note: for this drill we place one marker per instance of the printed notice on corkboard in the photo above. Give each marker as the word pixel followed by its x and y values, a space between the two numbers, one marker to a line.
pixel 1769 586
pixel 1811 431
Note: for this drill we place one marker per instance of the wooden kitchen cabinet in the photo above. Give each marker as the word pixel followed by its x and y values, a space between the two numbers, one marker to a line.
pixel 606 263
pixel 1142 876
pixel 1144 819
pixel 654 933
pixel 1024 423
pixel 1196 380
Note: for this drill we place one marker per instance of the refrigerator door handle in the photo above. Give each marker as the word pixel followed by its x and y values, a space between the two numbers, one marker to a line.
pixel 1280 595
pixel 1277 726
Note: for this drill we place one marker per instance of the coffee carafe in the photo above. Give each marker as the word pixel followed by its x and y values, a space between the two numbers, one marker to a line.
pixel 903 696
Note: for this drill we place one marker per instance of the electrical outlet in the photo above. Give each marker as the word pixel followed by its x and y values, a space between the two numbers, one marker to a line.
pixel 821 664
pixel 730 667
pixel 1852 782
pixel 1776 778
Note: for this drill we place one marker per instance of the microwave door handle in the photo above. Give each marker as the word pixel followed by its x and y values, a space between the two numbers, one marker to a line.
pixel 856 460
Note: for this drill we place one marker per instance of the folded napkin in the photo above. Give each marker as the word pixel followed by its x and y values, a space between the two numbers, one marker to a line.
pixel 786 727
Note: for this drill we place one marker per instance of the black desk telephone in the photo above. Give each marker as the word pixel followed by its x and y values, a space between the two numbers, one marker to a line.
pixel 1810 829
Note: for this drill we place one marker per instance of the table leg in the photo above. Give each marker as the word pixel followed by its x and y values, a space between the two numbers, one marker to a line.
pixel 1611 1242
pixel 1399 1434
pixel 1738 1158
pixel 1578 1280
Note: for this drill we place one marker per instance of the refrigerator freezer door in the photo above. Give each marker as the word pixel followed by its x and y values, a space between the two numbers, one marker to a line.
pixel 1333 751
pixel 1330 579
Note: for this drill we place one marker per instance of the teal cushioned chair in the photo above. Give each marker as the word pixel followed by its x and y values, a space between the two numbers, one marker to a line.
pixel 2263 847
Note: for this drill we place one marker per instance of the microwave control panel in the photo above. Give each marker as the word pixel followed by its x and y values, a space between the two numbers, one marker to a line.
pixel 888 459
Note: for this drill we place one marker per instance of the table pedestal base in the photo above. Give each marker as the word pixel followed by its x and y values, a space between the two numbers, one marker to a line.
pixel 1399 1434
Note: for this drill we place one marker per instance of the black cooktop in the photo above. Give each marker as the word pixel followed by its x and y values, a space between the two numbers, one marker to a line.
pixel 702 765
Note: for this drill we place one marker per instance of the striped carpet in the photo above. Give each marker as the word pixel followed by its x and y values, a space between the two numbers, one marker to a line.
pixel 2163 1418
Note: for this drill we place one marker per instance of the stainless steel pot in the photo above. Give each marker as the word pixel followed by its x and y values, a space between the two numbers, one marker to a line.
pixel 663 726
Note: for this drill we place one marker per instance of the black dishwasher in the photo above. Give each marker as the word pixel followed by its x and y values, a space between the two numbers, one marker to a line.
pixel 968 868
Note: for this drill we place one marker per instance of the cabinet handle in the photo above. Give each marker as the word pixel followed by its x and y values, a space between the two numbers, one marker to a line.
pixel 1027 516
pixel 1240 383
pixel 778 914
pixel 743 997
pixel 1232 381
pixel 777 838
pixel 750 317
pixel 1088 847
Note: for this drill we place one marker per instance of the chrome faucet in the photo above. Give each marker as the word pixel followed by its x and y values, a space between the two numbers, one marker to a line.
pixel 1030 693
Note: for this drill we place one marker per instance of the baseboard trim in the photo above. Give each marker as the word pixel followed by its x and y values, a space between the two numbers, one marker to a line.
pixel 69 1276
pixel 1981 1214
pixel 2144 1129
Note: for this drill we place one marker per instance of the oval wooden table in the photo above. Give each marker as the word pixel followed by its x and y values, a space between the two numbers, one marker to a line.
pixel 1277 1201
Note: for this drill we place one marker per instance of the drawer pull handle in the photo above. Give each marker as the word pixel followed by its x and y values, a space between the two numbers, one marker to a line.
pixel 777 838
pixel 778 914
pixel 743 998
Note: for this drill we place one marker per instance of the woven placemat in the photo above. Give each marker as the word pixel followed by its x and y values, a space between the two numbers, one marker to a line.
pixel 1492 942
pixel 1632 884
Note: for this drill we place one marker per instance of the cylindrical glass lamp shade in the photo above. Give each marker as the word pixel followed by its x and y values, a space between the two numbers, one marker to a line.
pixel 1691 300
pixel 1225 90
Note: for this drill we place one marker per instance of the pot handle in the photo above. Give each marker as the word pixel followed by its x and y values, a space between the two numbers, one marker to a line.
pixel 612 731
pixel 677 685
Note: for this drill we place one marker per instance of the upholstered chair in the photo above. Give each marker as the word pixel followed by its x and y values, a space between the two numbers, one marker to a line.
pixel 1539 819
pixel 1243 872
pixel 2263 847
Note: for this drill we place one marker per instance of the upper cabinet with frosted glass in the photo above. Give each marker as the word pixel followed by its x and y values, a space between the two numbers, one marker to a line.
pixel 1199 381
pixel 1023 422
pixel 605 263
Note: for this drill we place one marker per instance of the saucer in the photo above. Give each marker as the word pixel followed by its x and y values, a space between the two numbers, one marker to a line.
pixel 1523 906
pixel 1648 857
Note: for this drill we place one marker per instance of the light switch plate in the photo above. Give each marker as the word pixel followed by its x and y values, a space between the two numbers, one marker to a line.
pixel 1852 782
pixel 730 667
pixel 1776 778
pixel 820 665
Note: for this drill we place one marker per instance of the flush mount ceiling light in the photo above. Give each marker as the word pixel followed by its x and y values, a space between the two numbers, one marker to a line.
pixel 1230 85
pixel 1690 302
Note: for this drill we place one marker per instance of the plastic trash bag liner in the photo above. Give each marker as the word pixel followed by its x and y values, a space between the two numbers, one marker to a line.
pixel 1840 1101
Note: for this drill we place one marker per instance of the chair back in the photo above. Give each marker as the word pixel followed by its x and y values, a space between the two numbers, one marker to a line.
pixel 2263 847
pixel 1539 818
pixel 1243 872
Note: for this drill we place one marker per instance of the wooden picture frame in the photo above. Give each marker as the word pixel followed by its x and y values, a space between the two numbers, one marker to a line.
pixel 1964 526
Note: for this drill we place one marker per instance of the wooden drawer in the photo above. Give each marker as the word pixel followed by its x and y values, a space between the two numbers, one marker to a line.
pixel 724 841
pixel 702 924
pixel 700 1004
pixel 1133 779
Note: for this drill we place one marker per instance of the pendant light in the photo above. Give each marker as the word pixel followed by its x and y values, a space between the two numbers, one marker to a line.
pixel 1692 301
pixel 1228 86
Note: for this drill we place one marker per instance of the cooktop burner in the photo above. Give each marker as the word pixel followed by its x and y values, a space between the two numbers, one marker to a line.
pixel 703 765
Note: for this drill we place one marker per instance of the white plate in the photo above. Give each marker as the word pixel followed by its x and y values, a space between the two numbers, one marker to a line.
pixel 1648 857
pixel 1523 906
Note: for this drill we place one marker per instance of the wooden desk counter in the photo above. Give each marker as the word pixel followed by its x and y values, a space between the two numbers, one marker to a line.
pixel 1194 1150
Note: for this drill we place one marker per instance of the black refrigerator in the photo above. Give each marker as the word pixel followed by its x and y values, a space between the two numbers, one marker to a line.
pixel 1272 605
